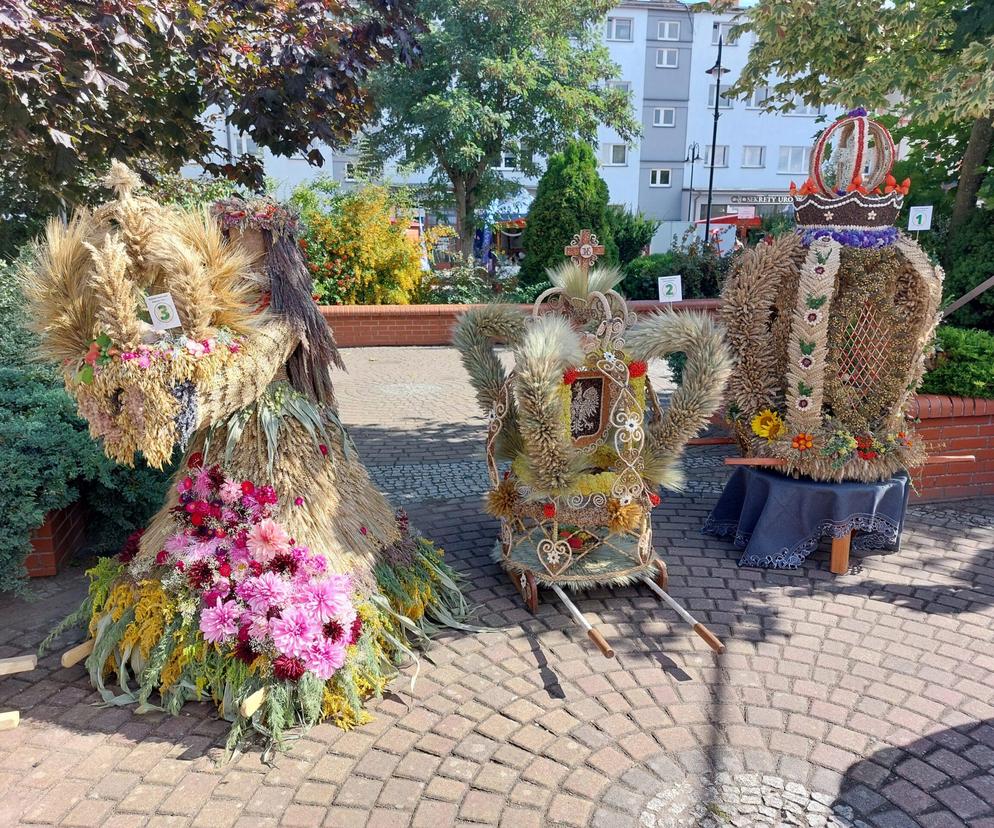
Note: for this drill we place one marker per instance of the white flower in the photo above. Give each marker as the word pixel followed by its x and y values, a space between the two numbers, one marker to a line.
pixel 812 317
pixel 553 555
pixel 802 403
pixel 609 357
pixel 632 424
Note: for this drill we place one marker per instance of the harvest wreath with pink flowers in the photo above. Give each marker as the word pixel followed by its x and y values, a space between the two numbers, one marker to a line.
pixel 275 579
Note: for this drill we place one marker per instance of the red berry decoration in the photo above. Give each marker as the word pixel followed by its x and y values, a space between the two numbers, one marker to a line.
pixel 637 369
pixel 570 375
pixel 248 487
pixel 549 510
pixel 574 542
pixel 195 461
pixel 654 499
pixel 324 449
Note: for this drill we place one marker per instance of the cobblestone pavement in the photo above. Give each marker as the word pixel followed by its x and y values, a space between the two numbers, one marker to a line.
pixel 858 700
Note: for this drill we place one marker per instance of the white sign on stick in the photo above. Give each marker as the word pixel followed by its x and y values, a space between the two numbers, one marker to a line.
pixel 163 311
pixel 920 218
pixel 671 288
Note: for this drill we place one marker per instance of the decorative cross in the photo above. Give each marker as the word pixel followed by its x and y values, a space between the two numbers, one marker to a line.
pixel 584 249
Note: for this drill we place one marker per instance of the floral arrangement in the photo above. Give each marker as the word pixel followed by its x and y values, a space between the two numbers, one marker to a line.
pixel 259 213
pixel 260 598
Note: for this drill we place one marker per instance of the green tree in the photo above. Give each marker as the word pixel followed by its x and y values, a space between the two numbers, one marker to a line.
pixel 497 76
pixel 632 232
pixel 935 54
pixel 571 196
pixel 85 82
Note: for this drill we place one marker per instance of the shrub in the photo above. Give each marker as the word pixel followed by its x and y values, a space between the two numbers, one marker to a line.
pixel 963 365
pixel 701 267
pixel 632 232
pixel 969 260
pixel 571 196
pixel 466 283
pixel 47 455
pixel 357 246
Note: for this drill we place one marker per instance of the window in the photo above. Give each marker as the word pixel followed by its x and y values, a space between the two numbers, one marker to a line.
pixel 668 30
pixel 722 30
pixel 801 108
pixel 667 58
pixel 619 28
pixel 245 145
pixel 720 156
pixel 623 85
pixel 659 177
pixel 724 103
pixel 511 158
pixel 753 156
pixel 349 171
pixel 616 155
pixel 758 97
pixel 664 116
pixel 794 159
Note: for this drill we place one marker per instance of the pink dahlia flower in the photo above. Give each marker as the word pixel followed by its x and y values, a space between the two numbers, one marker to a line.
pixel 293 632
pixel 267 539
pixel 231 491
pixel 264 591
pixel 324 657
pixel 325 600
pixel 220 621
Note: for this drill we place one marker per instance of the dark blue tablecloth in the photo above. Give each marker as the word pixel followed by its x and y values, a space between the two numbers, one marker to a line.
pixel 779 520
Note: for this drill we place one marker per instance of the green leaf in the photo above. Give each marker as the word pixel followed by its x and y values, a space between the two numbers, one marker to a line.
pixel 85 375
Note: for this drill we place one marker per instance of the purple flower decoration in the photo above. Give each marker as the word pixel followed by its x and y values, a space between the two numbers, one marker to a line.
pixel 878 237
pixel 858 112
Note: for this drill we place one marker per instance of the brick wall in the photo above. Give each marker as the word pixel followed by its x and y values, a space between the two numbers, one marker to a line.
pixel 55 541
pixel 363 325
pixel 955 425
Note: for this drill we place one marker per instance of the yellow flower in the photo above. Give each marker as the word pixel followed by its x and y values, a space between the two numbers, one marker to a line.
pixel 767 424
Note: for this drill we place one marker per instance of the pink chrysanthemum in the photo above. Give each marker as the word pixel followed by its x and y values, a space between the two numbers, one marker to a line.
pixel 219 621
pixel 267 539
pixel 202 485
pixel 176 544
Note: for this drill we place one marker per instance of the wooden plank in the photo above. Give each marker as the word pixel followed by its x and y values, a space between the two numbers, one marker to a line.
pixel 18 664
pixel 754 461
pixel 77 653
pixel 9 720
pixel 839 564
pixel 950 458
pixel 712 441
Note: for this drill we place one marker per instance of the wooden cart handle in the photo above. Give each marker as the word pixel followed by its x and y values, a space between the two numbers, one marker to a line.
pixel 601 642
pixel 709 637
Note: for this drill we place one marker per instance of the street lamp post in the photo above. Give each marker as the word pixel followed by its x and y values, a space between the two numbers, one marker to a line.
pixel 693 156
pixel 716 71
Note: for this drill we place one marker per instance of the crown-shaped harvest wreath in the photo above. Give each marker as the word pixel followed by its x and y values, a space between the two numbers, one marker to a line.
pixel 275 579
pixel 831 326
pixel 582 431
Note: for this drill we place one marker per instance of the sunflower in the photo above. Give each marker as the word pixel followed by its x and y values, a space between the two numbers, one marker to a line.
pixel 767 424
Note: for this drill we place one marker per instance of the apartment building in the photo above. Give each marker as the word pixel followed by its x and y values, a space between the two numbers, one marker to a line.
pixel 663 51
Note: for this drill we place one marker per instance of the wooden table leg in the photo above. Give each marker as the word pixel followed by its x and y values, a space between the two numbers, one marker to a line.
pixel 840 555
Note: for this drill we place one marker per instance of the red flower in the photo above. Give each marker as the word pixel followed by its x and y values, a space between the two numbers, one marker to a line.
pixel 288 668
pixel 333 631
pixel 570 375
pixel 256 567
pixel 356 630
pixel 186 484
pixel 243 650
pixel 637 369
pixel 180 566
pixel 549 510
pixel 195 461
pixel 224 570
pixel 160 557
pixel 654 499
pixel 298 501
pixel 324 449
pixel 248 487
pixel 363 530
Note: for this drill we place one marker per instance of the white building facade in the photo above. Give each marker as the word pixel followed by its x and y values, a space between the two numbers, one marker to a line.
pixel 663 51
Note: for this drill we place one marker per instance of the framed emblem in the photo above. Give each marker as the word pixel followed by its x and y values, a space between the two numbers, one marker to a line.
pixel 590 407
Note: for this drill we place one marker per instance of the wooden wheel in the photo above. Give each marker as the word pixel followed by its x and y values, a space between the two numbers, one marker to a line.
pixel 662 575
pixel 524 582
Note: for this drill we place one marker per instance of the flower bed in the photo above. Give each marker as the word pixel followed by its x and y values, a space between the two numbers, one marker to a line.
pixel 358 326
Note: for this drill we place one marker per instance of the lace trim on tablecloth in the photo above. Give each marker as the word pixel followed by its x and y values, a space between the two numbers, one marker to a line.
pixel 879 533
